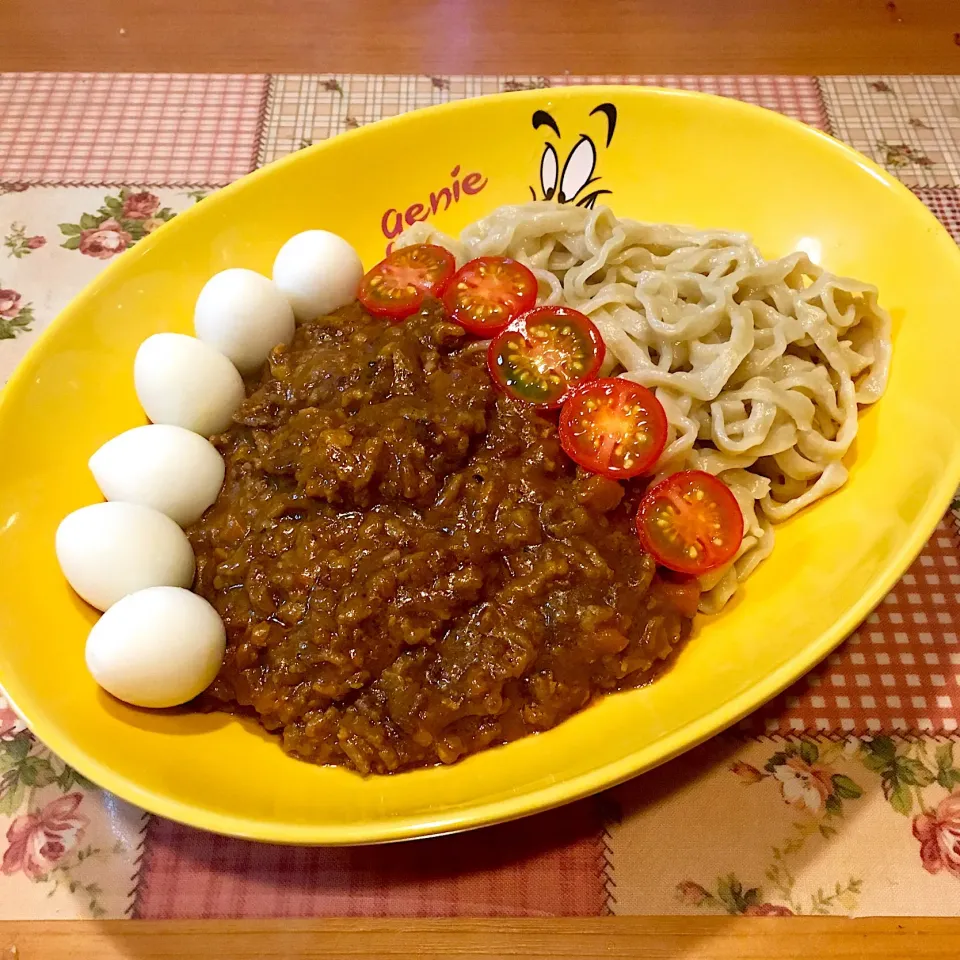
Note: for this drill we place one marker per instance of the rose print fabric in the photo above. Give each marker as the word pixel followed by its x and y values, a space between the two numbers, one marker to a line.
pixel 66 848
pixel 809 825
pixel 840 798
pixel 119 223
pixel 38 842
pixel 55 240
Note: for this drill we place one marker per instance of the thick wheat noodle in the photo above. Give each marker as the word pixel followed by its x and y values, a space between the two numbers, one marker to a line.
pixel 760 365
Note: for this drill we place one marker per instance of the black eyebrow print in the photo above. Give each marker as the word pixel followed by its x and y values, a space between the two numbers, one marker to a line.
pixel 610 112
pixel 543 119
pixel 591 198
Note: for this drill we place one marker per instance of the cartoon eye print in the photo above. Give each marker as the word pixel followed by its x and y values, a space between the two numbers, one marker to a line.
pixel 580 163
pixel 578 169
pixel 548 171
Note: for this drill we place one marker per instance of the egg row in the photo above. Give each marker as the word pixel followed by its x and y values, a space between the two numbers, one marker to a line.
pixel 240 316
pixel 157 644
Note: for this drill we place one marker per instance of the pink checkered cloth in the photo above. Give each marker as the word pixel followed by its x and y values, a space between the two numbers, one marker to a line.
pixel 125 128
pixel 551 866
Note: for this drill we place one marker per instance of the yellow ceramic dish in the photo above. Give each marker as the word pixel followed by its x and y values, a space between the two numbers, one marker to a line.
pixel 679 157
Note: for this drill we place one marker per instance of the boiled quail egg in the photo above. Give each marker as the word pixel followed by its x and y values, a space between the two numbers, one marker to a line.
pixel 317 272
pixel 182 381
pixel 162 466
pixel 158 647
pixel 108 550
pixel 244 315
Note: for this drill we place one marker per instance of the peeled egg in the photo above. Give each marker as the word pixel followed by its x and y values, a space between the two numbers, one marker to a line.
pixel 182 381
pixel 317 272
pixel 244 315
pixel 168 468
pixel 158 647
pixel 108 550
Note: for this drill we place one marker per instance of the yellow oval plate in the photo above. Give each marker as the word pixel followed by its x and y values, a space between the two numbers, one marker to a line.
pixel 669 156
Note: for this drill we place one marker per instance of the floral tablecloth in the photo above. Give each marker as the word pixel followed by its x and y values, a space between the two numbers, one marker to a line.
pixel 841 797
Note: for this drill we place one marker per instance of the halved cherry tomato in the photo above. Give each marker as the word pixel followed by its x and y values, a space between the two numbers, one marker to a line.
pixel 396 286
pixel 613 427
pixel 487 293
pixel 544 353
pixel 690 522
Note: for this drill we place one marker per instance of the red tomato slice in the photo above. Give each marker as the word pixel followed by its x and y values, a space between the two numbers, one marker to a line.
pixel 396 286
pixel 613 427
pixel 544 353
pixel 690 522
pixel 487 293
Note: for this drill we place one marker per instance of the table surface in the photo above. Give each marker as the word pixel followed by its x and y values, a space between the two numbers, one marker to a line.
pixel 537 37
pixel 614 938
pixel 483 36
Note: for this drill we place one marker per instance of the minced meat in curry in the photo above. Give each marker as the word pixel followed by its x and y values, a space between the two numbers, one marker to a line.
pixel 408 566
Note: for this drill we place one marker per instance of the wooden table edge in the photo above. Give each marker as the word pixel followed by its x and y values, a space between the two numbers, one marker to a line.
pixel 664 938
pixel 483 36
